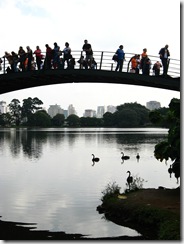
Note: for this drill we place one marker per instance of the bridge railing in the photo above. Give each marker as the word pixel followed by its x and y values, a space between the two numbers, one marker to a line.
pixel 104 62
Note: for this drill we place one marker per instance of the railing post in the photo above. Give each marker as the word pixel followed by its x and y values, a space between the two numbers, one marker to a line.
pixel 80 66
pixel 128 66
pixel 101 60
pixel 4 65
pixel 168 62
pixel 111 67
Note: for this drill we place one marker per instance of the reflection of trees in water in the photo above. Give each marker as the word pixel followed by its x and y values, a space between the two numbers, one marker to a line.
pixel 32 143
pixel 137 138
pixel 12 138
pixel 4 138
pixel 29 142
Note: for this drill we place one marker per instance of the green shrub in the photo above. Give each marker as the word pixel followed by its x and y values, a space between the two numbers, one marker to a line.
pixel 111 190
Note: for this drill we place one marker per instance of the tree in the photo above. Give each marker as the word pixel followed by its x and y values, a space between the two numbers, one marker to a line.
pixel 73 120
pixel 5 119
pixel 159 117
pixel 15 111
pixel 140 112
pixel 91 121
pixel 58 120
pixel 170 148
pixel 127 118
pixel 40 118
pixel 30 106
pixel 108 119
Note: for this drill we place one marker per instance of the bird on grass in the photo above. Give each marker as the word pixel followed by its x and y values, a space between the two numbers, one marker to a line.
pixel 94 159
pixel 129 178
pixel 124 157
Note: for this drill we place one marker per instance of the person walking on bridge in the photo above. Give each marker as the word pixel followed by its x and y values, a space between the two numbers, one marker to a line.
pixel 121 57
pixel 164 55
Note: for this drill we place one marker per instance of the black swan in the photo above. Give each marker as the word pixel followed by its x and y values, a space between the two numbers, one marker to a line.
pixel 124 157
pixel 94 159
pixel 129 178
pixel 138 156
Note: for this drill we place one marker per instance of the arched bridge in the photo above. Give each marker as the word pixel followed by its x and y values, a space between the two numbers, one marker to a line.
pixel 103 74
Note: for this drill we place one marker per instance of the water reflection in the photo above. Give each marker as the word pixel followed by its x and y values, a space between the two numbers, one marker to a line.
pixel 62 191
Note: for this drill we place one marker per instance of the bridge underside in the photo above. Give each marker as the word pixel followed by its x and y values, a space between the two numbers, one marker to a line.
pixel 23 80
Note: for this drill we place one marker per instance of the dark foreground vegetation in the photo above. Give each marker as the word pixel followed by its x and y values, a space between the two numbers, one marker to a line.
pixel 155 213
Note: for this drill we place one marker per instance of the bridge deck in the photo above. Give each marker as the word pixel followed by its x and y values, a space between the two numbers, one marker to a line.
pixel 22 80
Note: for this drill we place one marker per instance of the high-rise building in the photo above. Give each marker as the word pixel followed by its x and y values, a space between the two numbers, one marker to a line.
pixel 3 107
pixel 55 109
pixel 89 113
pixel 71 110
pixel 111 109
pixel 100 111
pixel 151 105
pixel 65 113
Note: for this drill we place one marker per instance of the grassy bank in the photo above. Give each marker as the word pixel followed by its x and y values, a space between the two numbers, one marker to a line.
pixel 153 213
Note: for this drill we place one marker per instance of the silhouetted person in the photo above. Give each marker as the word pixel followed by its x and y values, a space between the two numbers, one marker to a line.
pixel 29 58
pixel 121 57
pixel 164 55
pixel 67 54
pixel 38 54
pixel 22 57
pixel 156 68
pixel 89 53
pixel 15 60
pixel 48 58
pixel 56 58
pixel 82 62
pixel 71 63
pixel 146 66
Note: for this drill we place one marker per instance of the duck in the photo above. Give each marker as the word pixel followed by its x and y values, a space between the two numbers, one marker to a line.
pixel 94 159
pixel 124 157
pixel 129 178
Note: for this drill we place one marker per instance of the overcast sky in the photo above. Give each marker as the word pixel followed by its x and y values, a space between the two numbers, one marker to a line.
pixel 106 25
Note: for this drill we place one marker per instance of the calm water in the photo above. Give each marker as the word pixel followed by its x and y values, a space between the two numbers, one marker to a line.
pixel 47 177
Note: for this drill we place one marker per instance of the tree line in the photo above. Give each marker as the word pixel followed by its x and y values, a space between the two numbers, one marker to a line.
pixel 31 113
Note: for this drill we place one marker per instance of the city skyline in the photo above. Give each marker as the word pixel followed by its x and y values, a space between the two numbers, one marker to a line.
pixel 54 109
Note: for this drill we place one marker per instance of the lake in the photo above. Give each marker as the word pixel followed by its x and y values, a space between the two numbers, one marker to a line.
pixel 47 176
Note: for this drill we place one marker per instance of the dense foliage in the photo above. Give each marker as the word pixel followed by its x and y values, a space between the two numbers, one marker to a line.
pixel 169 148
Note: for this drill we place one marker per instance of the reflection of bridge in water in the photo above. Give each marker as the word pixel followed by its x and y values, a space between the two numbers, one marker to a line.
pixel 103 74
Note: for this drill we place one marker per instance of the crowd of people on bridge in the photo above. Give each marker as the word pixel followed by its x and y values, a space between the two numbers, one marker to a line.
pixel 55 58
